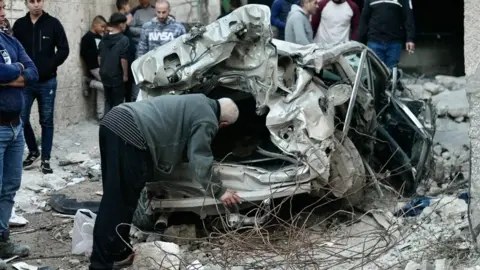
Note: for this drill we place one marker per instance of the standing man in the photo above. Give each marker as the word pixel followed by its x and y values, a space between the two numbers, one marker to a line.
pixel 113 58
pixel 335 22
pixel 159 30
pixel 16 70
pixel 385 25
pixel 89 53
pixel 280 10
pixel 139 138
pixel 298 28
pixel 143 13
pixel 40 35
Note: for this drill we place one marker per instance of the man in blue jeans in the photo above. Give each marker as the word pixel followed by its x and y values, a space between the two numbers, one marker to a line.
pixel 40 34
pixel 385 26
pixel 16 70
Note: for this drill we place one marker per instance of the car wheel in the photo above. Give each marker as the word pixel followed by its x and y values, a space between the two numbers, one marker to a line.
pixel 141 219
pixel 347 172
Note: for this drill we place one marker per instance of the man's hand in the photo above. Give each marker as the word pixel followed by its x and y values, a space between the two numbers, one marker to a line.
pixel 410 47
pixel 125 78
pixel 230 197
pixel 129 18
pixel 19 82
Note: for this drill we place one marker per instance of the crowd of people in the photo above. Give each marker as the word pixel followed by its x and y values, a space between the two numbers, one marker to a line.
pixel 133 141
pixel 384 26
pixel 109 48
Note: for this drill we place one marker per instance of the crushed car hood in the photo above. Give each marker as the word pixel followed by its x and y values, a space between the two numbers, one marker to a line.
pixel 239 46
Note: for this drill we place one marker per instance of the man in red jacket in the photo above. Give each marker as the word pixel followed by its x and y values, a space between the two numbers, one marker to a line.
pixel 335 22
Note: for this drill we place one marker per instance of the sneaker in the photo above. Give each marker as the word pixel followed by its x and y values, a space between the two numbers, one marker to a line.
pixel 9 249
pixel 125 262
pixel 46 167
pixel 31 159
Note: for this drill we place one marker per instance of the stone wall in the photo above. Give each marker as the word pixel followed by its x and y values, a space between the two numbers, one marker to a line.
pixel 70 106
pixel 472 36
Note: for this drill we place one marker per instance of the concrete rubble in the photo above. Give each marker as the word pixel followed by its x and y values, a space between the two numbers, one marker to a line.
pixel 36 187
pixel 452 142
pixel 435 239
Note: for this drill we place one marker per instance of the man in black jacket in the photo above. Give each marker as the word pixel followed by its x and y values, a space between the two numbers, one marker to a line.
pixel 385 25
pixel 40 34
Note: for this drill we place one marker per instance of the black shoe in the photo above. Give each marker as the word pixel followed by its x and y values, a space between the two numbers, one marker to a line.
pixel 9 249
pixel 31 159
pixel 46 167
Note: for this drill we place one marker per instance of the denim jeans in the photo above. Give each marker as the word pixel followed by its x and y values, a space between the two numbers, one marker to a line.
pixel 44 93
pixel 12 145
pixel 388 52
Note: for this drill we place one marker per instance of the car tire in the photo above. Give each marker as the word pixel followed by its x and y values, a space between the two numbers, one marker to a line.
pixel 141 218
pixel 346 163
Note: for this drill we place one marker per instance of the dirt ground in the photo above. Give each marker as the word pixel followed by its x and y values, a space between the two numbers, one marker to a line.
pixel 46 234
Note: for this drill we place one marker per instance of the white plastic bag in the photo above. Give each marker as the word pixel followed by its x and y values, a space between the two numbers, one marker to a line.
pixel 82 233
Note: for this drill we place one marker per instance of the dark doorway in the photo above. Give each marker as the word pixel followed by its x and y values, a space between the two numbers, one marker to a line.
pixel 440 38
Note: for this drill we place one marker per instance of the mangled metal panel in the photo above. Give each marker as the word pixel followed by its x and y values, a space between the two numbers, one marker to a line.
pixel 238 50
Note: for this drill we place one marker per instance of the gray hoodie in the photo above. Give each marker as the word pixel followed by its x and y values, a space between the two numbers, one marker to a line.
pixel 155 34
pixel 142 15
pixel 298 28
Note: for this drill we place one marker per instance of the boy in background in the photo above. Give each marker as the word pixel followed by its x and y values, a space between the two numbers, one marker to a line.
pixel 123 7
pixel 89 53
pixel 113 59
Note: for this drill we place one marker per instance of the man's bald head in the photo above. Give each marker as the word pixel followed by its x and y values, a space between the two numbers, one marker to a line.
pixel 162 8
pixel 228 111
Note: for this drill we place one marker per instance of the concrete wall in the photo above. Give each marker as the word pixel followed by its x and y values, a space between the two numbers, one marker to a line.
pixel 70 106
pixel 472 36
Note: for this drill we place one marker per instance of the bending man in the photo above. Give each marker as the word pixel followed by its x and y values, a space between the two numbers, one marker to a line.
pixel 139 137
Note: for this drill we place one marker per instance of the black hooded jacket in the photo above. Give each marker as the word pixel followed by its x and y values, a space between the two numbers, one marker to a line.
pixel 40 41
pixel 111 50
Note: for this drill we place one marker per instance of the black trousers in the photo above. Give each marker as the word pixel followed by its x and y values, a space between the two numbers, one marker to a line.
pixel 125 170
pixel 114 96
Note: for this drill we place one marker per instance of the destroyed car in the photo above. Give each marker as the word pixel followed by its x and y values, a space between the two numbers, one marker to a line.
pixel 311 121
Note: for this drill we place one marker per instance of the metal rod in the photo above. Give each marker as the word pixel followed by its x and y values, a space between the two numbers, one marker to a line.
pixel 356 85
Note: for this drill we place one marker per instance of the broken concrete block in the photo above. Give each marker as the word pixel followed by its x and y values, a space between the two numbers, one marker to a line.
pixel 153 255
pixel 94 173
pixel 437 150
pixel 459 119
pixel 417 92
pixel 453 103
pixel 180 234
pixel 52 181
pixel 432 88
pixel 75 158
pixel 154 237
pixel 453 83
pixel 411 265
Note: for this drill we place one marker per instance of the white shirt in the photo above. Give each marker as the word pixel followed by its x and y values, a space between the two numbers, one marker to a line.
pixel 335 24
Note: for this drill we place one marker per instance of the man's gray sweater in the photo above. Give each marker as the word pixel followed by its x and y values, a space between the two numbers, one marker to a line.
pixel 142 15
pixel 155 34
